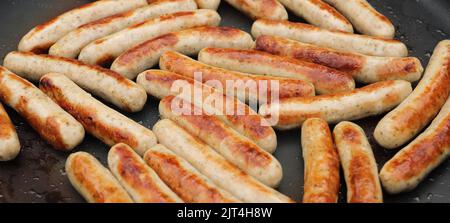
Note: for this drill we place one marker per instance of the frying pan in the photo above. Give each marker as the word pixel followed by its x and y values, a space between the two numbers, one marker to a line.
pixel 37 175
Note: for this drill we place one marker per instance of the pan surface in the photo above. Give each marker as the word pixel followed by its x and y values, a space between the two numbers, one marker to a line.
pixel 37 175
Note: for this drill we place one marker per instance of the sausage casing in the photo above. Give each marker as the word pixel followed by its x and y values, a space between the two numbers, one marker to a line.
pixel 184 179
pixel 319 13
pixel 106 124
pixel 257 9
pixel 93 181
pixel 321 160
pixel 178 63
pixel 40 38
pixel 325 80
pixel 101 82
pixel 242 118
pixel 141 182
pixel 187 42
pixel 215 167
pixel 414 162
pixel 71 44
pixel 106 49
pixel 51 122
pixel 365 69
pixel 358 163
pixel 365 18
pixel 370 100
pixel 9 141
pixel 348 42
pixel 418 110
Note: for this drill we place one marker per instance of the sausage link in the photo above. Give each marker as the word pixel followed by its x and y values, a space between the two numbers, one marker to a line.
pixel 101 82
pixel 184 179
pixel 141 182
pixel 188 42
pixel 370 100
pixel 348 42
pixel 414 162
pixel 40 38
pixel 365 69
pixel 358 163
pixel 324 79
pixel 365 18
pixel 106 124
pixel 260 9
pixel 71 44
pixel 319 14
pixel 321 161
pixel 215 167
pixel 93 181
pixel 51 122
pixel 418 110
pixel 242 118
pixel 9 141
pixel 103 51
pixel 178 63
pixel 237 149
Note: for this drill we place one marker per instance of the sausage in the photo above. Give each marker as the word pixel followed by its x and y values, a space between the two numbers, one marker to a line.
pixel 237 149
pixel 141 182
pixel 418 110
pixel 257 9
pixel 319 14
pixel 358 163
pixel 93 181
pixel 365 18
pixel 215 167
pixel 250 84
pixel 184 179
pixel 188 42
pixel 324 79
pixel 101 82
pixel 9 141
pixel 242 118
pixel 208 4
pixel 370 100
pixel 40 38
pixel 414 162
pixel 106 124
pixel 52 123
pixel 106 49
pixel 365 69
pixel 321 161
pixel 348 42
pixel 71 44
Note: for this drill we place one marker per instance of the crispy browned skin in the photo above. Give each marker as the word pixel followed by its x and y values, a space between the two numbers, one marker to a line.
pixel 88 117
pixel 325 80
pixel 183 65
pixel 143 184
pixel 209 125
pixel 413 163
pixel 256 9
pixel 93 181
pixel 321 159
pixel 351 63
pixel 184 180
pixel 250 121
pixel 358 162
pixel 5 124
pixel 48 128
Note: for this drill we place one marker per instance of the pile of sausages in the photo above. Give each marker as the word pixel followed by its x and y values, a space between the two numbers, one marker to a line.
pixel 217 156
